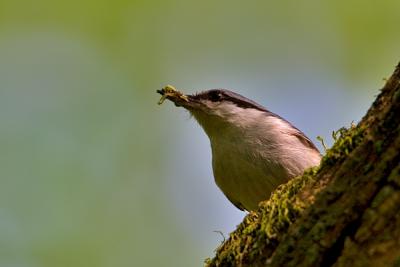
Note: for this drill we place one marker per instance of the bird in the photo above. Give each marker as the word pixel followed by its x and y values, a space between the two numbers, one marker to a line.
pixel 253 149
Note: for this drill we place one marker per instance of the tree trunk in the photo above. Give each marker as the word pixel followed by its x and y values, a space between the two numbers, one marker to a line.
pixel 343 213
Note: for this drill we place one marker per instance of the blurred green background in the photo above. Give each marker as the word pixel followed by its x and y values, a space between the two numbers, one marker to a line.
pixel 94 173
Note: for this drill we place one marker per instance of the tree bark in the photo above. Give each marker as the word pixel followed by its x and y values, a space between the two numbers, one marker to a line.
pixel 343 213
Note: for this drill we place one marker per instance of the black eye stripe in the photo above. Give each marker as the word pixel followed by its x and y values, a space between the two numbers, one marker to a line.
pixel 215 96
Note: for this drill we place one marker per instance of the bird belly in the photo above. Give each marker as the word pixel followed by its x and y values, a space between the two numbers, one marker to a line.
pixel 244 180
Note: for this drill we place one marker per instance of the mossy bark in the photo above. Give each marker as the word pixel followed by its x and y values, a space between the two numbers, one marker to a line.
pixel 343 213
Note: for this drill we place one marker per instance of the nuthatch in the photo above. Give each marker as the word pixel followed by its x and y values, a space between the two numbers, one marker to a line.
pixel 253 149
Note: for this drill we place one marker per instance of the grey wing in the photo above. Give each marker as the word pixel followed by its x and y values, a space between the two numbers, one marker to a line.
pixel 304 139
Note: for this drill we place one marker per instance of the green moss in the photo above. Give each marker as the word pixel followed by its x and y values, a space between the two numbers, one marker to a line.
pixel 346 140
pixel 280 210
pixel 321 139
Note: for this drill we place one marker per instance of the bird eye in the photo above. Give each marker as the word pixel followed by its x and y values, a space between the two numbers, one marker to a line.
pixel 215 96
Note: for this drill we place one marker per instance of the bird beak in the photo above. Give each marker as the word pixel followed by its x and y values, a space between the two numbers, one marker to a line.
pixel 178 98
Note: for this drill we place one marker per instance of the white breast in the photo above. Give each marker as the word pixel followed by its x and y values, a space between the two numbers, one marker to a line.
pixel 253 156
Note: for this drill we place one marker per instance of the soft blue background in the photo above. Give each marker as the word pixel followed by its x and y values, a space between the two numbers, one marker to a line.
pixel 94 173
